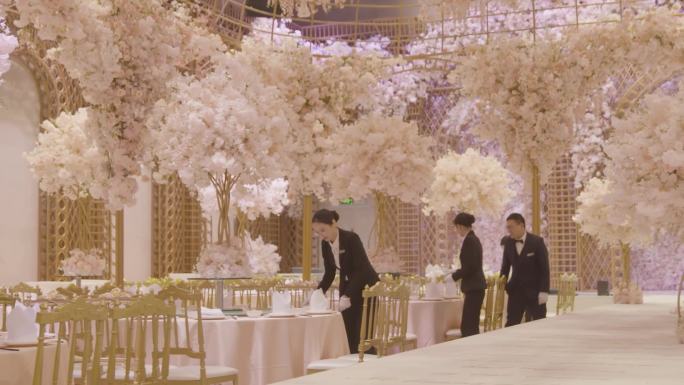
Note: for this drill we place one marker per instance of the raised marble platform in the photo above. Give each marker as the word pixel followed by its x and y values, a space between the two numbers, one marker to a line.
pixel 611 344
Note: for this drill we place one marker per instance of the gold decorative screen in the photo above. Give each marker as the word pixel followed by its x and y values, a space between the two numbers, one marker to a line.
pixel 179 231
pixel 63 224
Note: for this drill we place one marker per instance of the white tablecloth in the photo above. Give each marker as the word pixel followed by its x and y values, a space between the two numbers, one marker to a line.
pixel 266 350
pixel 430 320
pixel 16 368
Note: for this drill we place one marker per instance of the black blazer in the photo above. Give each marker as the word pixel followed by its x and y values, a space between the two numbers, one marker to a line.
pixel 356 270
pixel 471 265
pixel 530 269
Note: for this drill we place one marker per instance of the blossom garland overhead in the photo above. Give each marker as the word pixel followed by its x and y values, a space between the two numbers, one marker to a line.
pixel 321 94
pixel 469 182
pixel 122 53
pixel 382 154
pixel 529 97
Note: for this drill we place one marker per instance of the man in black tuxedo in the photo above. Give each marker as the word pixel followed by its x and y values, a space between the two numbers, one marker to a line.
pixel 528 287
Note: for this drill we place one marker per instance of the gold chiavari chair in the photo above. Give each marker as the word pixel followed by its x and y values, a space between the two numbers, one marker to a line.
pixel 253 293
pixel 25 292
pixel 106 288
pixel 383 327
pixel 185 302
pixel 499 302
pixel 138 349
pixel 6 301
pixel 680 311
pixel 79 314
pixel 208 290
pixel 72 291
pixel 486 321
pixel 299 291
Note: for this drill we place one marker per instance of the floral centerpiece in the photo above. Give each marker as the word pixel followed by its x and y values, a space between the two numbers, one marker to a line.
pixel 470 182
pixel 222 261
pixel 90 263
pixel 264 260
pixel 434 288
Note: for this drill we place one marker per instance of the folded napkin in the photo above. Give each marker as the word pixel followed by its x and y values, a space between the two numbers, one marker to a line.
pixel 318 302
pixel 282 303
pixel 206 312
pixel 21 324
pixel 152 289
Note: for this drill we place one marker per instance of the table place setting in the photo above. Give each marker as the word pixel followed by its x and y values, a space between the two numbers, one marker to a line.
pixel 22 330
pixel 281 306
pixel 319 304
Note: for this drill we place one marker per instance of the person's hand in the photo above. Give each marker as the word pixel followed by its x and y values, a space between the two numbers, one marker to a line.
pixel 345 303
pixel 543 298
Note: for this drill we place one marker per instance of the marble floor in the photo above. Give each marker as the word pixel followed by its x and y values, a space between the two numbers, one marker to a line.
pixel 598 344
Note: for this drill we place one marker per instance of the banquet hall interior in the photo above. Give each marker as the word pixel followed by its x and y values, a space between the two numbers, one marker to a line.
pixel 475 192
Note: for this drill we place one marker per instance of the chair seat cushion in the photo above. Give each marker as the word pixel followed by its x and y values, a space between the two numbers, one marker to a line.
pixel 411 337
pixel 332 363
pixel 192 372
pixel 453 333
pixel 355 357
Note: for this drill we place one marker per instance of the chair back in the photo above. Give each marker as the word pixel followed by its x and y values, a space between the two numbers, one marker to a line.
pixel 208 290
pixel 253 293
pixel 72 291
pixel 566 293
pixel 488 320
pixel 299 291
pixel 6 301
pixel 25 292
pixel 188 306
pixel 499 302
pixel 680 310
pixel 142 324
pixel 384 319
pixel 80 315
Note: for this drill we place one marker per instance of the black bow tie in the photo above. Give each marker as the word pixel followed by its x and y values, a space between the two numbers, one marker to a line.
pixel 519 241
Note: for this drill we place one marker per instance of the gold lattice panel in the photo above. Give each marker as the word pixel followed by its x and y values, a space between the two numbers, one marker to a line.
pixel 596 262
pixel 561 230
pixel 62 224
pixel 179 231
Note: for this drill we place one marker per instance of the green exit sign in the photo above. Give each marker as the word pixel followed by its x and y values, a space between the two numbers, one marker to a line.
pixel 348 201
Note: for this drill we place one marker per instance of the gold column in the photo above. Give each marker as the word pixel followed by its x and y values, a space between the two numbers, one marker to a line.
pixel 626 264
pixel 536 201
pixel 119 248
pixel 307 234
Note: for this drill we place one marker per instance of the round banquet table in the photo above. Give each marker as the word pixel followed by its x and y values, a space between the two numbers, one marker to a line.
pixel 430 320
pixel 16 368
pixel 266 350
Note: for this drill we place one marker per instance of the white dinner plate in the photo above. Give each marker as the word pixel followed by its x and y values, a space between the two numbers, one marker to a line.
pixel 281 315
pixel 319 312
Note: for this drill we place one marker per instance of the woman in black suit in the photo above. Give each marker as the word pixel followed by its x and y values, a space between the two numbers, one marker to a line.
pixel 473 283
pixel 343 251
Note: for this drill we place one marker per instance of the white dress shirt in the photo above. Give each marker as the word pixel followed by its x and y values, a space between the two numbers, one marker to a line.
pixel 335 246
pixel 519 246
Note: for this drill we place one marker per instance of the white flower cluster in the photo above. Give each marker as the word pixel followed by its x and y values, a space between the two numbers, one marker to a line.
pixel 434 272
pixel 262 199
pixel 7 44
pixel 264 259
pixel 382 154
pixel 469 182
pixel 223 261
pixel 81 263
pixel 122 53
pixel 66 157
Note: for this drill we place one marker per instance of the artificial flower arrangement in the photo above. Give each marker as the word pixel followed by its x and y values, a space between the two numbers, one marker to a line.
pixel 90 263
